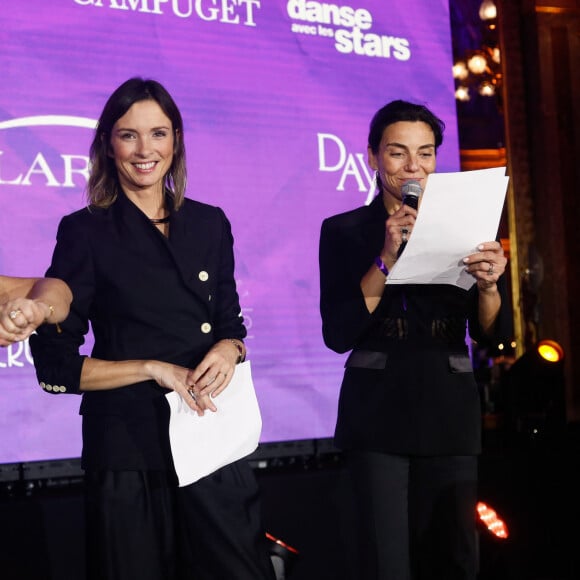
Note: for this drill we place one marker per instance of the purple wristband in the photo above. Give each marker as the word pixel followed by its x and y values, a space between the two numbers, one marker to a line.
pixel 381 266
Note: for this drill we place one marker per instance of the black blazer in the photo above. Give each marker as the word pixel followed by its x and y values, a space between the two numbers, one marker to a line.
pixel 146 297
pixel 408 385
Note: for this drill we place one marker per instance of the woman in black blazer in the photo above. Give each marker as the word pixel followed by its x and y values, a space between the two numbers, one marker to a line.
pixel 409 413
pixel 153 273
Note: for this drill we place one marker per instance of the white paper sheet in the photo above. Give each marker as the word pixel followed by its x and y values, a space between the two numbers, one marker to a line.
pixel 201 445
pixel 458 212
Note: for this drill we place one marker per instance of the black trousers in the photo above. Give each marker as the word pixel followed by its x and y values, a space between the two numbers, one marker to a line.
pixel 416 516
pixel 140 525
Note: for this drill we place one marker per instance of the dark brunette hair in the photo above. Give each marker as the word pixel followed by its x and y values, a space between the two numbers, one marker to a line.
pixel 396 111
pixel 103 186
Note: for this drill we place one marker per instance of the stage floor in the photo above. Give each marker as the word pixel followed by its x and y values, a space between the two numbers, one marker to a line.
pixel 535 491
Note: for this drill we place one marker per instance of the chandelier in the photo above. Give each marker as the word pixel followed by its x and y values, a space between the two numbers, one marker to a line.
pixel 479 70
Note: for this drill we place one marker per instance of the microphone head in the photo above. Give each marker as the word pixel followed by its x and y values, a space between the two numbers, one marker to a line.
pixel 411 191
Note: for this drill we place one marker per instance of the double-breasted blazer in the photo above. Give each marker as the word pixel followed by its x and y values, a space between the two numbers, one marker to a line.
pixel 146 296
pixel 408 385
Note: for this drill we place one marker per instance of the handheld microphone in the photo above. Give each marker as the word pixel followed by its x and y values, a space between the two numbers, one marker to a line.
pixel 411 191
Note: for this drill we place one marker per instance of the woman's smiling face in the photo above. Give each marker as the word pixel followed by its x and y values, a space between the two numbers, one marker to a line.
pixel 142 145
pixel 406 151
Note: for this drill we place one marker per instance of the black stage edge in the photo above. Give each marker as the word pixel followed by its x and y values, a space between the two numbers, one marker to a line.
pixel 534 486
pixel 64 472
pixel 42 526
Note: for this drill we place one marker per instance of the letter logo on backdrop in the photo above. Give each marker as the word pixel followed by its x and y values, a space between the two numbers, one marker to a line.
pixel 334 157
pixel 349 27
pixel 12 355
pixel 225 11
pixel 43 167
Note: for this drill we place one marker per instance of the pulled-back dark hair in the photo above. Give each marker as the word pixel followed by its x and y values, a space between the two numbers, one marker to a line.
pixel 399 110
pixel 103 186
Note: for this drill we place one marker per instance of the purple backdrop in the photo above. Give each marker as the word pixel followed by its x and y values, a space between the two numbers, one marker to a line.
pixel 276 97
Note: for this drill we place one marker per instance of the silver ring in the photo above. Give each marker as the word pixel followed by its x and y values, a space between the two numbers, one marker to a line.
pixel 404 231
pixel 192 394
pixel 404 237
pixel 14 313
pixel 490 271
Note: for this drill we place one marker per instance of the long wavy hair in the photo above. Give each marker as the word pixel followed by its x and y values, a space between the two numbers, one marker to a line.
pixel 103 186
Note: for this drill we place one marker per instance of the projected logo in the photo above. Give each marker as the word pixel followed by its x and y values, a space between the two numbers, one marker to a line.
pixel 349 27
pixel 16 355
pixel 225 11
pixel 54 170
pixel 334 157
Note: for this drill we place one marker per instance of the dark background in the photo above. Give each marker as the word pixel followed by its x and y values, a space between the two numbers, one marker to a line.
pixel 534 489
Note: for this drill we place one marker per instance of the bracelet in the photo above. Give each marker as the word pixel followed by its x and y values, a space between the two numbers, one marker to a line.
pixel 240 348
pixel 51 313
pixel 381 266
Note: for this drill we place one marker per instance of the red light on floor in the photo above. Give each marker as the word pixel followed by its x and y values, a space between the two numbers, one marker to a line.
pixel 281 543
pixel 492 521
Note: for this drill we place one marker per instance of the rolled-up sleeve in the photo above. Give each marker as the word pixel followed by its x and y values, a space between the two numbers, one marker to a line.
pixel 55 349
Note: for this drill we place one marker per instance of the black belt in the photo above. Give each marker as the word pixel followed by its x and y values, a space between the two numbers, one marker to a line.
pixel 447 330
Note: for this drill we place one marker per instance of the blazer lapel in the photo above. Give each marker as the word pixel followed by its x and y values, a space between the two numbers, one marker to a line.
pixel 183 249
pixel 191 244
pixel 373 232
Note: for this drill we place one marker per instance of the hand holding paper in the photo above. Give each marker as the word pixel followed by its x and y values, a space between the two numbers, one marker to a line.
pixel 201 445
pixel 458 212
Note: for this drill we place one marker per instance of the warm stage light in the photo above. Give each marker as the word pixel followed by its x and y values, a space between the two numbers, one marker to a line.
pixel 487 10
pixel 460 70
pixel 477 64
pixel 491 520
pixel 479 69
pixel 486 89
pixel 462 93
pixel 534 396
pixel 550 351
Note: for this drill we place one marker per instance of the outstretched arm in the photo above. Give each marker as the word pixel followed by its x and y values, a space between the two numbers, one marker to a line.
pixel 26 303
